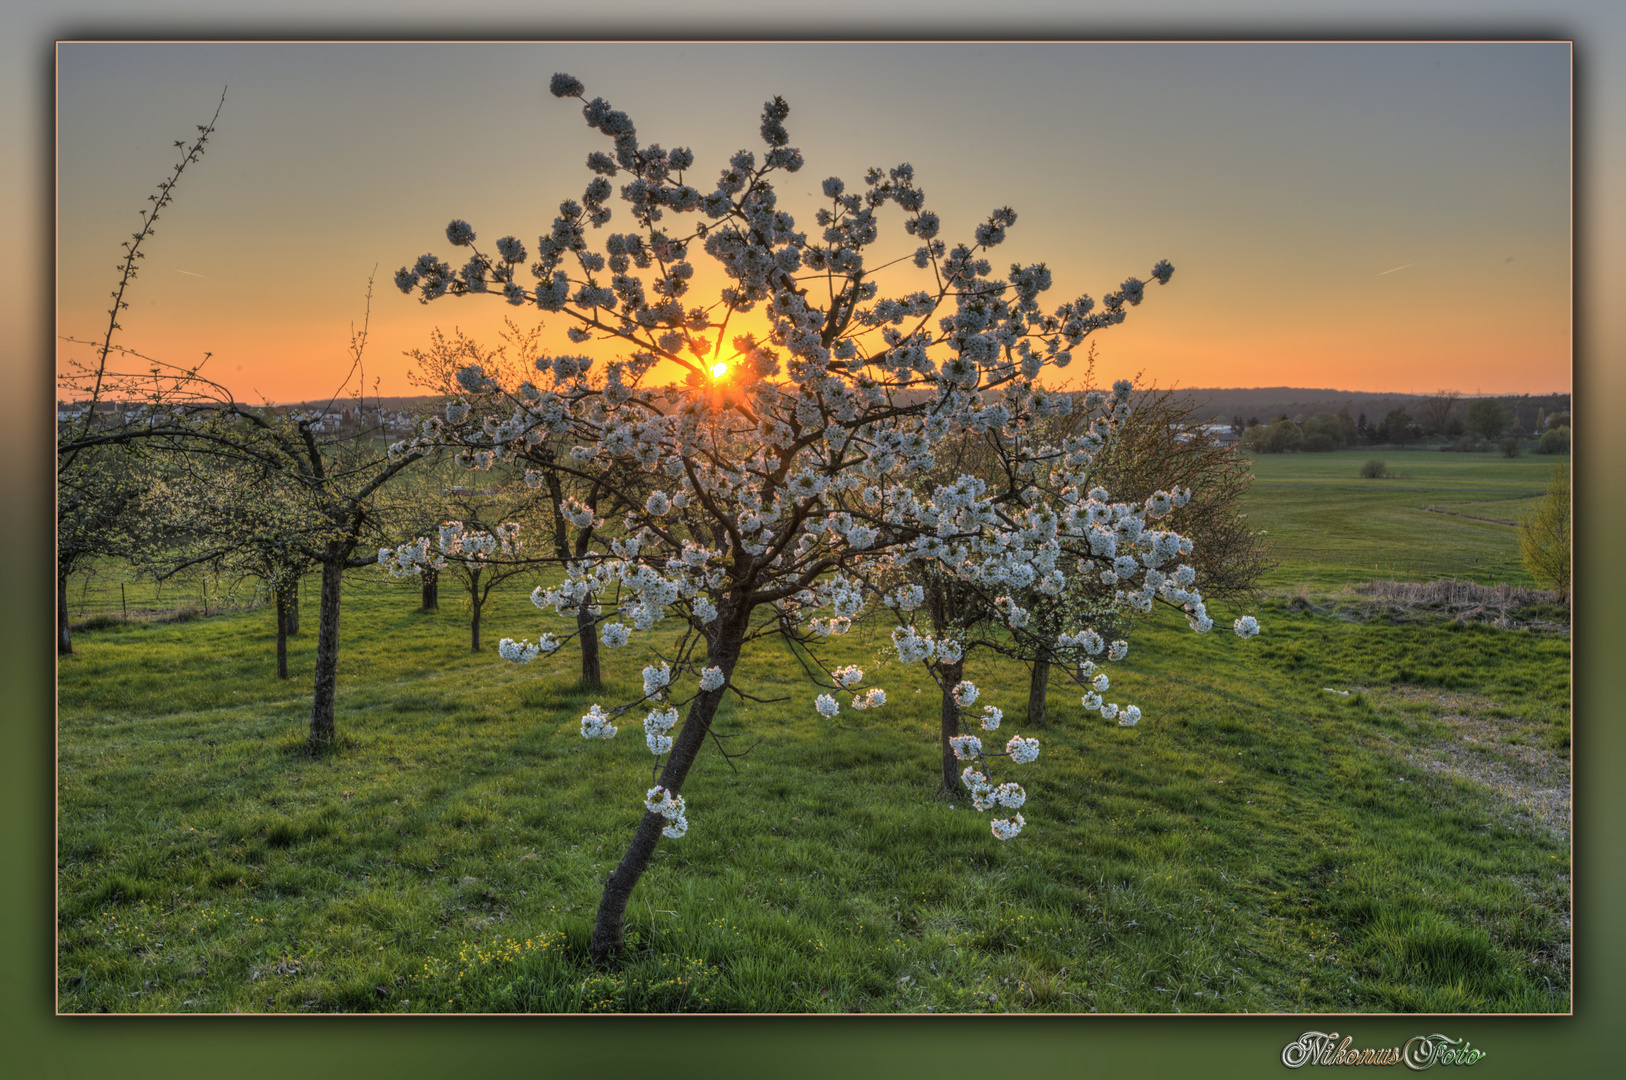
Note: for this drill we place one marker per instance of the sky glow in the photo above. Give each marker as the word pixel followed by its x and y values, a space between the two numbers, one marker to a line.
pixel 1364 216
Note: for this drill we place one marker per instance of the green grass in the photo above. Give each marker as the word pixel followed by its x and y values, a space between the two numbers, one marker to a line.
pixel 1335 528
pixel 1258 843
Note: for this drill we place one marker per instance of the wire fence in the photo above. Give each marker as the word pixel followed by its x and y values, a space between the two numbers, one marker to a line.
pixel 112 590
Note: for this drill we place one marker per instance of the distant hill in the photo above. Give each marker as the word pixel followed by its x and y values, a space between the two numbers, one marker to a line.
pixel 1265 402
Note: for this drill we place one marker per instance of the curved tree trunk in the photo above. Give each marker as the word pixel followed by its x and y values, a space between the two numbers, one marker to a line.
pixel 1038 689
pixel 950 676
pixel 587 627
pixel 431 589
pixel 327 651
pixel 64 629
pixel 609 926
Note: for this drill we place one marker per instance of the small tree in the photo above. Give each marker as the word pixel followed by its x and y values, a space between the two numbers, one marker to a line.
pixel 1398 428
pixel 1435 411
pixel 1487 419
pixel 479 557
pixel 780 506
pixel 1544 535
pixel 1323 432
pixel 101 473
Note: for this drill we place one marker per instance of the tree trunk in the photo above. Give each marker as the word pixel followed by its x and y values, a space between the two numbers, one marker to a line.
pixel 592 676
pixel 1038 689
pixel 293 609
pixel 475 599
pixel 327 650
pixel 950 676
pixel 431 589
pixel 612 906
pixel 285 601
pixel 64 630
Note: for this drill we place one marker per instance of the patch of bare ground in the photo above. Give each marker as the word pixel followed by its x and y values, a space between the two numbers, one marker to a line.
pixel 1506 607
pixel 1507 756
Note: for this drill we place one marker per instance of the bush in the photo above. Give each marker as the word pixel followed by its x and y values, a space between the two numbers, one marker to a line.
pixel 1277 438
pixel 1544 536
pixel 1511 448
pixel 1319 442
pixel 1374 469
pixel 1554 441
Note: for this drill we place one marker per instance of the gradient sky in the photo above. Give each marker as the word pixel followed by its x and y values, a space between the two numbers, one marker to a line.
pixel 1585 1044
pixel 1362 216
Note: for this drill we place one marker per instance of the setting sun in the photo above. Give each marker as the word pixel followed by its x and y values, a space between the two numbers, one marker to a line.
pixel 719 369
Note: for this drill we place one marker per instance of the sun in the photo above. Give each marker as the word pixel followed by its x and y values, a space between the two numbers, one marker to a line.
pixel 719 369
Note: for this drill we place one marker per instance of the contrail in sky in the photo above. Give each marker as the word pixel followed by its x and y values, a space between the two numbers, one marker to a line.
pixel 1380 275
pixel 189 273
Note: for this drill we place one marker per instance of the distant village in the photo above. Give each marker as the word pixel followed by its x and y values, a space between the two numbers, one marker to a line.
pixel 344 420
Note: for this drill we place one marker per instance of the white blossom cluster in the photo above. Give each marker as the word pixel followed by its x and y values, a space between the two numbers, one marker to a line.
pixel 657 800
pixel 456 543
pixel 596 724
pixel 523 652
pixel 784 474
pixel 657 730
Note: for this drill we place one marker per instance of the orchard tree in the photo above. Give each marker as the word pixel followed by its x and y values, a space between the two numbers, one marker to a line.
pixel 96 498
pixel 1160 448
pixel 780 472
pixel 235 516
pixel 328 483
pixel 577 499
pixel 478 556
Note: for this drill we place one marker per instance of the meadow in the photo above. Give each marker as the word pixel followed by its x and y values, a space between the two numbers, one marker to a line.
pixel 1365 809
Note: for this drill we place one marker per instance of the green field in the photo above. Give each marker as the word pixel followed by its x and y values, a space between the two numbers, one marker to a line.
pixel 1340 815
pixel 1331 527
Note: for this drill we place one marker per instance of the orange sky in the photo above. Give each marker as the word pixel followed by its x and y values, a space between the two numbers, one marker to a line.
pixel 1355 216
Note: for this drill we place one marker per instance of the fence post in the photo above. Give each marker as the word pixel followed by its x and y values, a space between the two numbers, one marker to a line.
pixel 124 605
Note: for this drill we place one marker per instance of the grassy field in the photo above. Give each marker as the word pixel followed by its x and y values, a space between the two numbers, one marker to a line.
pixel 1437 515
pixel 1341 815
